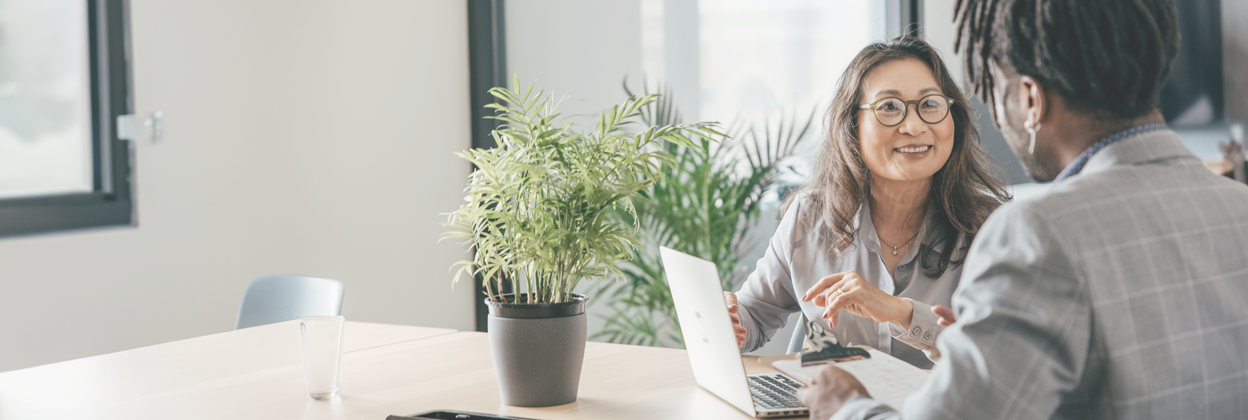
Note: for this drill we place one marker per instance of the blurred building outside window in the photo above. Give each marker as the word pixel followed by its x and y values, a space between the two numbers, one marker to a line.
pixel 45 98
pixel 64 82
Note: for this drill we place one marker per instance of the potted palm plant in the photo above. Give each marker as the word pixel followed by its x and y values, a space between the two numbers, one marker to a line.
pixel 706 205
pixel 538 216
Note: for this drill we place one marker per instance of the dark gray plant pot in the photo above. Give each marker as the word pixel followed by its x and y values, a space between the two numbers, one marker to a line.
pixel 538 351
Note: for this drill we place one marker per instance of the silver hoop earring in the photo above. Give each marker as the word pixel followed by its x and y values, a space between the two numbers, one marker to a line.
pixel 1027 126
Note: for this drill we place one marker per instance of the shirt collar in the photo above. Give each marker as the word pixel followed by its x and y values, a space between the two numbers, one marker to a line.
pixel 1077 166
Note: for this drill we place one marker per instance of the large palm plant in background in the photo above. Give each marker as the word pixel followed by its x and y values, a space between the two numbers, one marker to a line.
pixel 705 206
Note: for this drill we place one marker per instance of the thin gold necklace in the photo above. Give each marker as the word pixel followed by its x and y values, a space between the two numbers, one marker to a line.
pixel 916 234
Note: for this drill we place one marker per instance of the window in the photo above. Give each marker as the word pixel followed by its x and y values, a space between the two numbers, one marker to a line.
pixel 723 59
pixel 754 58
pixel 64 80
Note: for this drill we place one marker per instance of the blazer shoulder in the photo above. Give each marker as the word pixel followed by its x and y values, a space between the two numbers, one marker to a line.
pixel 1031 221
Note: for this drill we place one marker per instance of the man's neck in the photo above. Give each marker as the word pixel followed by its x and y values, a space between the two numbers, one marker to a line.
pixel 1078 133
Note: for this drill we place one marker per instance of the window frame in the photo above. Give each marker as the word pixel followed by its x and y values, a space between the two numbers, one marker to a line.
pixel 487 67
pixel 111 201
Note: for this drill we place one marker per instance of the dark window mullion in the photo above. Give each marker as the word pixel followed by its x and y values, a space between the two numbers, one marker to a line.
pixel 487 68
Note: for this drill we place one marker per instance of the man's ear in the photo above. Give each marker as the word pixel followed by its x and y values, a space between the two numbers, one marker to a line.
pixel 1002 93
pixel 1031 100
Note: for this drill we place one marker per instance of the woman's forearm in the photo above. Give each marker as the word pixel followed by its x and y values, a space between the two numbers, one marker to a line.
pixel 903 312
pixel 922 330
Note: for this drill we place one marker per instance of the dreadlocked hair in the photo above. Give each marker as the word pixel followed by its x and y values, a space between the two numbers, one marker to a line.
pixel 1106 58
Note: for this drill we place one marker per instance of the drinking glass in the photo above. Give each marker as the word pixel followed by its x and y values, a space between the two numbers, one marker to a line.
pixel 322 354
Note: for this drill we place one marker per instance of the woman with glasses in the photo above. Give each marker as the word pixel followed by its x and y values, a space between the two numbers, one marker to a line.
pixel 874 245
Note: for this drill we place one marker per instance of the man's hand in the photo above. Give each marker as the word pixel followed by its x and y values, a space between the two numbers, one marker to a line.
pixel 731 299
pixel 828 391
pixel 946 315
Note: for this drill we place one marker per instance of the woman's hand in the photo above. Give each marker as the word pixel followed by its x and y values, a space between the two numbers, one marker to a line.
pixel 731 299
pixel 851 292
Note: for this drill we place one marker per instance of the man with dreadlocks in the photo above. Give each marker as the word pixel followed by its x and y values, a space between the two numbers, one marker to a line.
pixel 1122 291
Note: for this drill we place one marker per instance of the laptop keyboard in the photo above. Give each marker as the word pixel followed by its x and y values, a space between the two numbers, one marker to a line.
pixel 774 391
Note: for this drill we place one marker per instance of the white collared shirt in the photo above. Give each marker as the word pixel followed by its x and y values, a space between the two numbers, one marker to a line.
pixel 795 261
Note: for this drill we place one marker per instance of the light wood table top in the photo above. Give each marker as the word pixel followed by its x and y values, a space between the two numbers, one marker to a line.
pixel 89 387
pixel 401 375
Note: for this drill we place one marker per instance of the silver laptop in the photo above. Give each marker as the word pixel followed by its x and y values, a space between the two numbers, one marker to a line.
pixel 712 345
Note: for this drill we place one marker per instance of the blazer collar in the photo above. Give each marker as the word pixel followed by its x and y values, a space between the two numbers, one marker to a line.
pixel 1141 148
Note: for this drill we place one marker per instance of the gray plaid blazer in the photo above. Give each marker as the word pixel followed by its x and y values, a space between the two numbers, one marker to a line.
pixel 1120 293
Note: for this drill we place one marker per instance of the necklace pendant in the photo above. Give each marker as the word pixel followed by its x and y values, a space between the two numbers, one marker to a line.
pixel 894 251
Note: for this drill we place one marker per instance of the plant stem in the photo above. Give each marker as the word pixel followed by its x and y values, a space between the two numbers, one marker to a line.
pixel 489 292
pixel 500 286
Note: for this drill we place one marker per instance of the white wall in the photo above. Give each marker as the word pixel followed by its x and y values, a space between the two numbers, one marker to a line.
pixel 308 137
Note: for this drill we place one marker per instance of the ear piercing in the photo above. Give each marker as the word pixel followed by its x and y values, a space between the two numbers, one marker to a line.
pixel 1032 130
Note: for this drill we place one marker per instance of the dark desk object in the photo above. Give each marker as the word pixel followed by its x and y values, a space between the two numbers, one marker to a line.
pixel 824 347
pixel 453 415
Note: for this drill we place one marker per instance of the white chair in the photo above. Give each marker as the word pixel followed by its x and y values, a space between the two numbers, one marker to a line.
pixel 285 297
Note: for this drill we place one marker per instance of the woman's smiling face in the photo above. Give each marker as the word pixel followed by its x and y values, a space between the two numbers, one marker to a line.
pixel 912 150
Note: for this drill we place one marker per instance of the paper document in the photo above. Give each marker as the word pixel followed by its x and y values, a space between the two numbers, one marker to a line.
pixel 887 378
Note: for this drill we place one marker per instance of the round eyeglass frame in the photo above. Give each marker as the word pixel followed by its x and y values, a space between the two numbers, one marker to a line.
pixel 905 112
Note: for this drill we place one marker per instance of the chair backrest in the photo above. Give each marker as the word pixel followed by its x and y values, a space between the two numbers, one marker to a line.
pixel 285 297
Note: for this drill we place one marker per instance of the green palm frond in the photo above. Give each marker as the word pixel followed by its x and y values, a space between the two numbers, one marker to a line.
pixel 704 206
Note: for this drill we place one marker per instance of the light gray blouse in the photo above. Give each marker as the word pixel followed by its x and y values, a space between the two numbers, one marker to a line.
pixel 795 261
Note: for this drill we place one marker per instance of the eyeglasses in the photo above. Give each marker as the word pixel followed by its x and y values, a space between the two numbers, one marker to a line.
pixel 892 111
